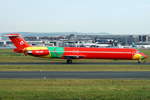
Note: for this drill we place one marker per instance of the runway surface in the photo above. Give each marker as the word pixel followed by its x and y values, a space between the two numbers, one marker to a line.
pixel 79 63
pixel 76 75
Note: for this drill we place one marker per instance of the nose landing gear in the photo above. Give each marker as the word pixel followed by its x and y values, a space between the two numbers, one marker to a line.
pixel 141 61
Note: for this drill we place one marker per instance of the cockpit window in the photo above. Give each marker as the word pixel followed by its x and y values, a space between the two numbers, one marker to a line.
pixel 137 51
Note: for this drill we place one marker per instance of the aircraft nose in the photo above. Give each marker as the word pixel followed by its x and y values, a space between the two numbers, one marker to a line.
pixel 143 55
pixel 139 56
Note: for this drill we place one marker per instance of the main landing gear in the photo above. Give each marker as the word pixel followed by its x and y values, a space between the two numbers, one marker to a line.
pixel 69 61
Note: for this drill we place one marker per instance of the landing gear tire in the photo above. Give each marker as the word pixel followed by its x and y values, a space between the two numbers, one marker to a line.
pixel 69 61
pixel 141 61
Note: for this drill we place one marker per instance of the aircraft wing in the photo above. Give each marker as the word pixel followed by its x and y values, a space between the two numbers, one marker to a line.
pixel 73 57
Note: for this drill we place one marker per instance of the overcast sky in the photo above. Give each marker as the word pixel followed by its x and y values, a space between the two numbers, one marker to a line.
pixel 113 16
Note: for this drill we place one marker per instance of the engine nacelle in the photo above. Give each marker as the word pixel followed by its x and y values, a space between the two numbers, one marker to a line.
pixel 37 52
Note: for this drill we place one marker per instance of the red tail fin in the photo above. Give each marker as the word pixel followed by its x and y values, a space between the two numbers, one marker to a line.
pixel 18 41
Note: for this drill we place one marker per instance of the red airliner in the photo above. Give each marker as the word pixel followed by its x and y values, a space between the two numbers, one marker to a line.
pixel 70 53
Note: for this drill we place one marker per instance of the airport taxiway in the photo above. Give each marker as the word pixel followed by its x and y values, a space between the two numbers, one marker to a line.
pixel 76 74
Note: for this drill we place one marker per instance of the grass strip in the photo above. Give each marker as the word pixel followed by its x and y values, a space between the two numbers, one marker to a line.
pixel 81 89
pixel 74 68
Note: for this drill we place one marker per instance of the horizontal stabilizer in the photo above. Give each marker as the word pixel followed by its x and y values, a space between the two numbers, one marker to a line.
pixel 11 35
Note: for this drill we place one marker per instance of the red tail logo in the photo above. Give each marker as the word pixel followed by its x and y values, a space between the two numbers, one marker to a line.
pixel 18 41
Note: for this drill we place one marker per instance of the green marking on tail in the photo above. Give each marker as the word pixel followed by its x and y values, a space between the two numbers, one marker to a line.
pixel 56 52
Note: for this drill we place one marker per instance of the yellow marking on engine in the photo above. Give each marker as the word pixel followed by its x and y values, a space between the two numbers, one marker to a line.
pixel 36 48
pixel 39 48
